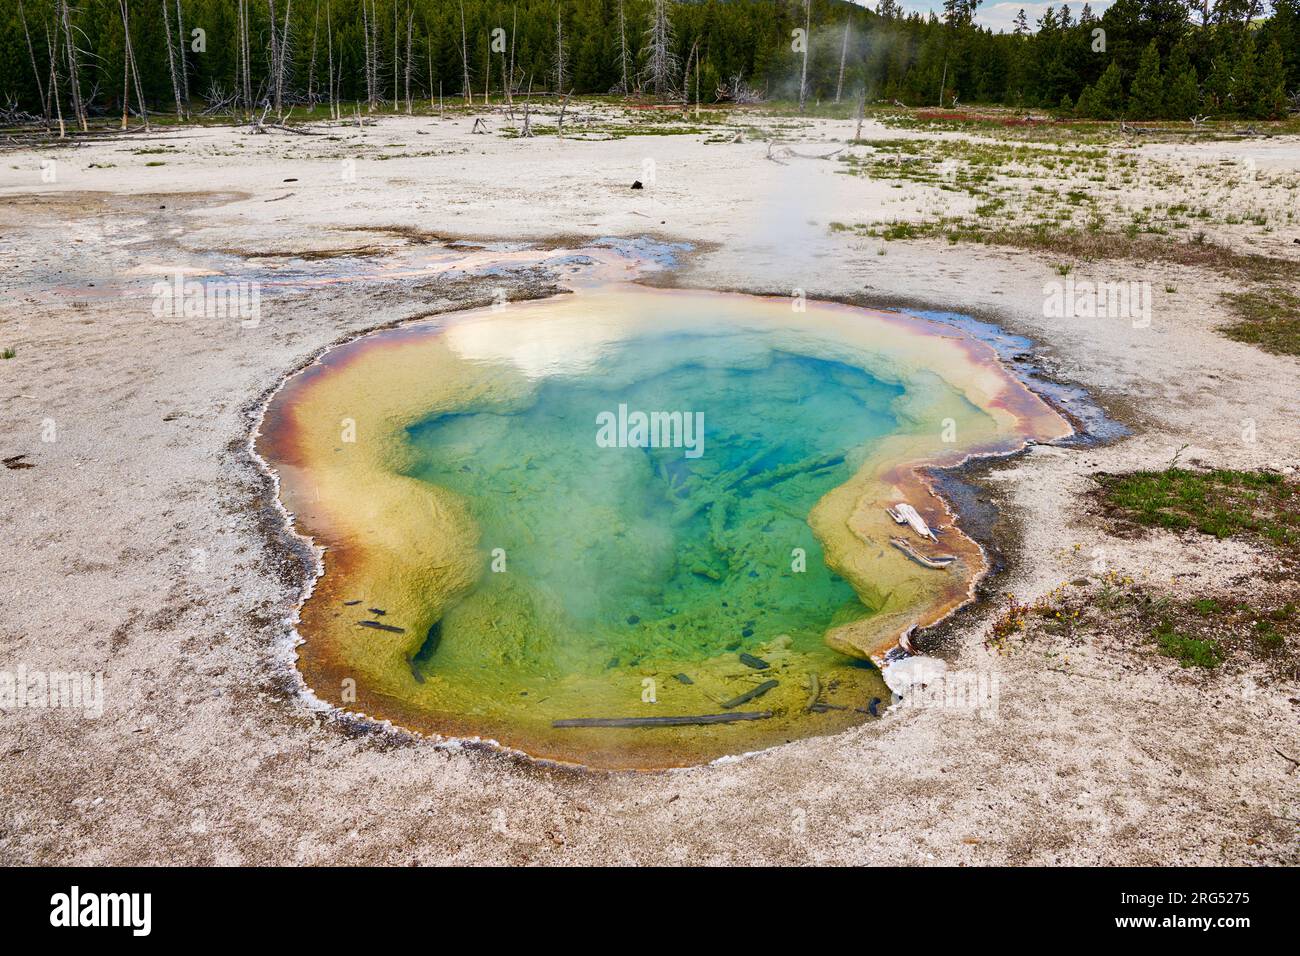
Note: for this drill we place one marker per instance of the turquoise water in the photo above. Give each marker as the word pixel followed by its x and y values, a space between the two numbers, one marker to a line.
pixel 625 556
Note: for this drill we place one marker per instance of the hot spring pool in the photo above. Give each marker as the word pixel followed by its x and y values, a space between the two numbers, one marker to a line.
pixel 631 503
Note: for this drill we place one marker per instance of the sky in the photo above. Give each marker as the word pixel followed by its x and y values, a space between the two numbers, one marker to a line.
pixel 999 16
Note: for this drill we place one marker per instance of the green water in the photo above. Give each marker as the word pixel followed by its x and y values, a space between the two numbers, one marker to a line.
pixel 618 557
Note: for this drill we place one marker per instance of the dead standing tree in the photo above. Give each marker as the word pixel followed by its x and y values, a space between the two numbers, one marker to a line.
pixel 623 58
pixel 410 28
pixel 171 61
pixel 185 73
pixel 279 53
pixel 514 29
pixel 661 61
pixel 329 40
pixel 807 42
pixel 275 60
pixel 51 46
pixel 464 59
pixel 130 71
pixel 560 55
pixel 311 65
pixel 74 71
pixel 31 53
pixel 844 53
pixel 244 77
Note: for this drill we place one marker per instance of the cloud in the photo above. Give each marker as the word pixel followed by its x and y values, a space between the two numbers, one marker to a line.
pixel 1000 17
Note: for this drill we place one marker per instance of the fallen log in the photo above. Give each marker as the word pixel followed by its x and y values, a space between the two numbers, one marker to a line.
pixel 662 721
pixel 935 562
pixel 749 695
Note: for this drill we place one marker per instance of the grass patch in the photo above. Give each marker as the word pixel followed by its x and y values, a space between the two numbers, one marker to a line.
pixel 1220 502
pixel 8 354
pixel 1204 632
pixel 1188 651
pixel 1269 319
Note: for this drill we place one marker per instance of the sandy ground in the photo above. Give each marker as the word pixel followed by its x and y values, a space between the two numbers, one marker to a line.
pixel 140 543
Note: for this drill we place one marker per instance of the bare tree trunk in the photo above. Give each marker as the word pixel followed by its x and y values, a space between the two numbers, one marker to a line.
pixel 74 73
pixel 464 57
pixel 243 55
pixel 374 52
pixel 171 61
pixel 559 53
pixel 527 130
pixel 311 67
pixel 365 40
pixel 129 70
pixel 52 96
pixel 329 39
pixel 844 53
pixel 686 76
pixel 862 112
pixel 559 130
pixel 807 42
pixel 510 86
pixel 275 59
pixel 135 74
pixel 126 76
pixel 428 40
pixel 281 70
pixel 31 52
pixel 395 49
pixel 51 47
pixel 185 73
pixel 410 27
pixel 487 70
pixel 662 62
pixel 622 47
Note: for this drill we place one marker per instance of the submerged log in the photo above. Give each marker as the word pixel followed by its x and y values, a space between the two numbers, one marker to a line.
pixel 936 562
pixel 662 721
pixel 749 695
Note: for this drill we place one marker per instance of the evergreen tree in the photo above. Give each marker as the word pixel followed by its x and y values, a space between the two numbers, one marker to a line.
pixel 1271 102
pixel 1086 106
pixel 1182 95
pixel 1245 87
pixel 1108 95
pixel 1146 94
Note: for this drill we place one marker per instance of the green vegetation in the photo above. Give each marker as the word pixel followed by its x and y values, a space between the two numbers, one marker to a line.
pixel 1219 502
pixel 1204 632
pixel 1268 318
pixel 1188 651
pixel 8 354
